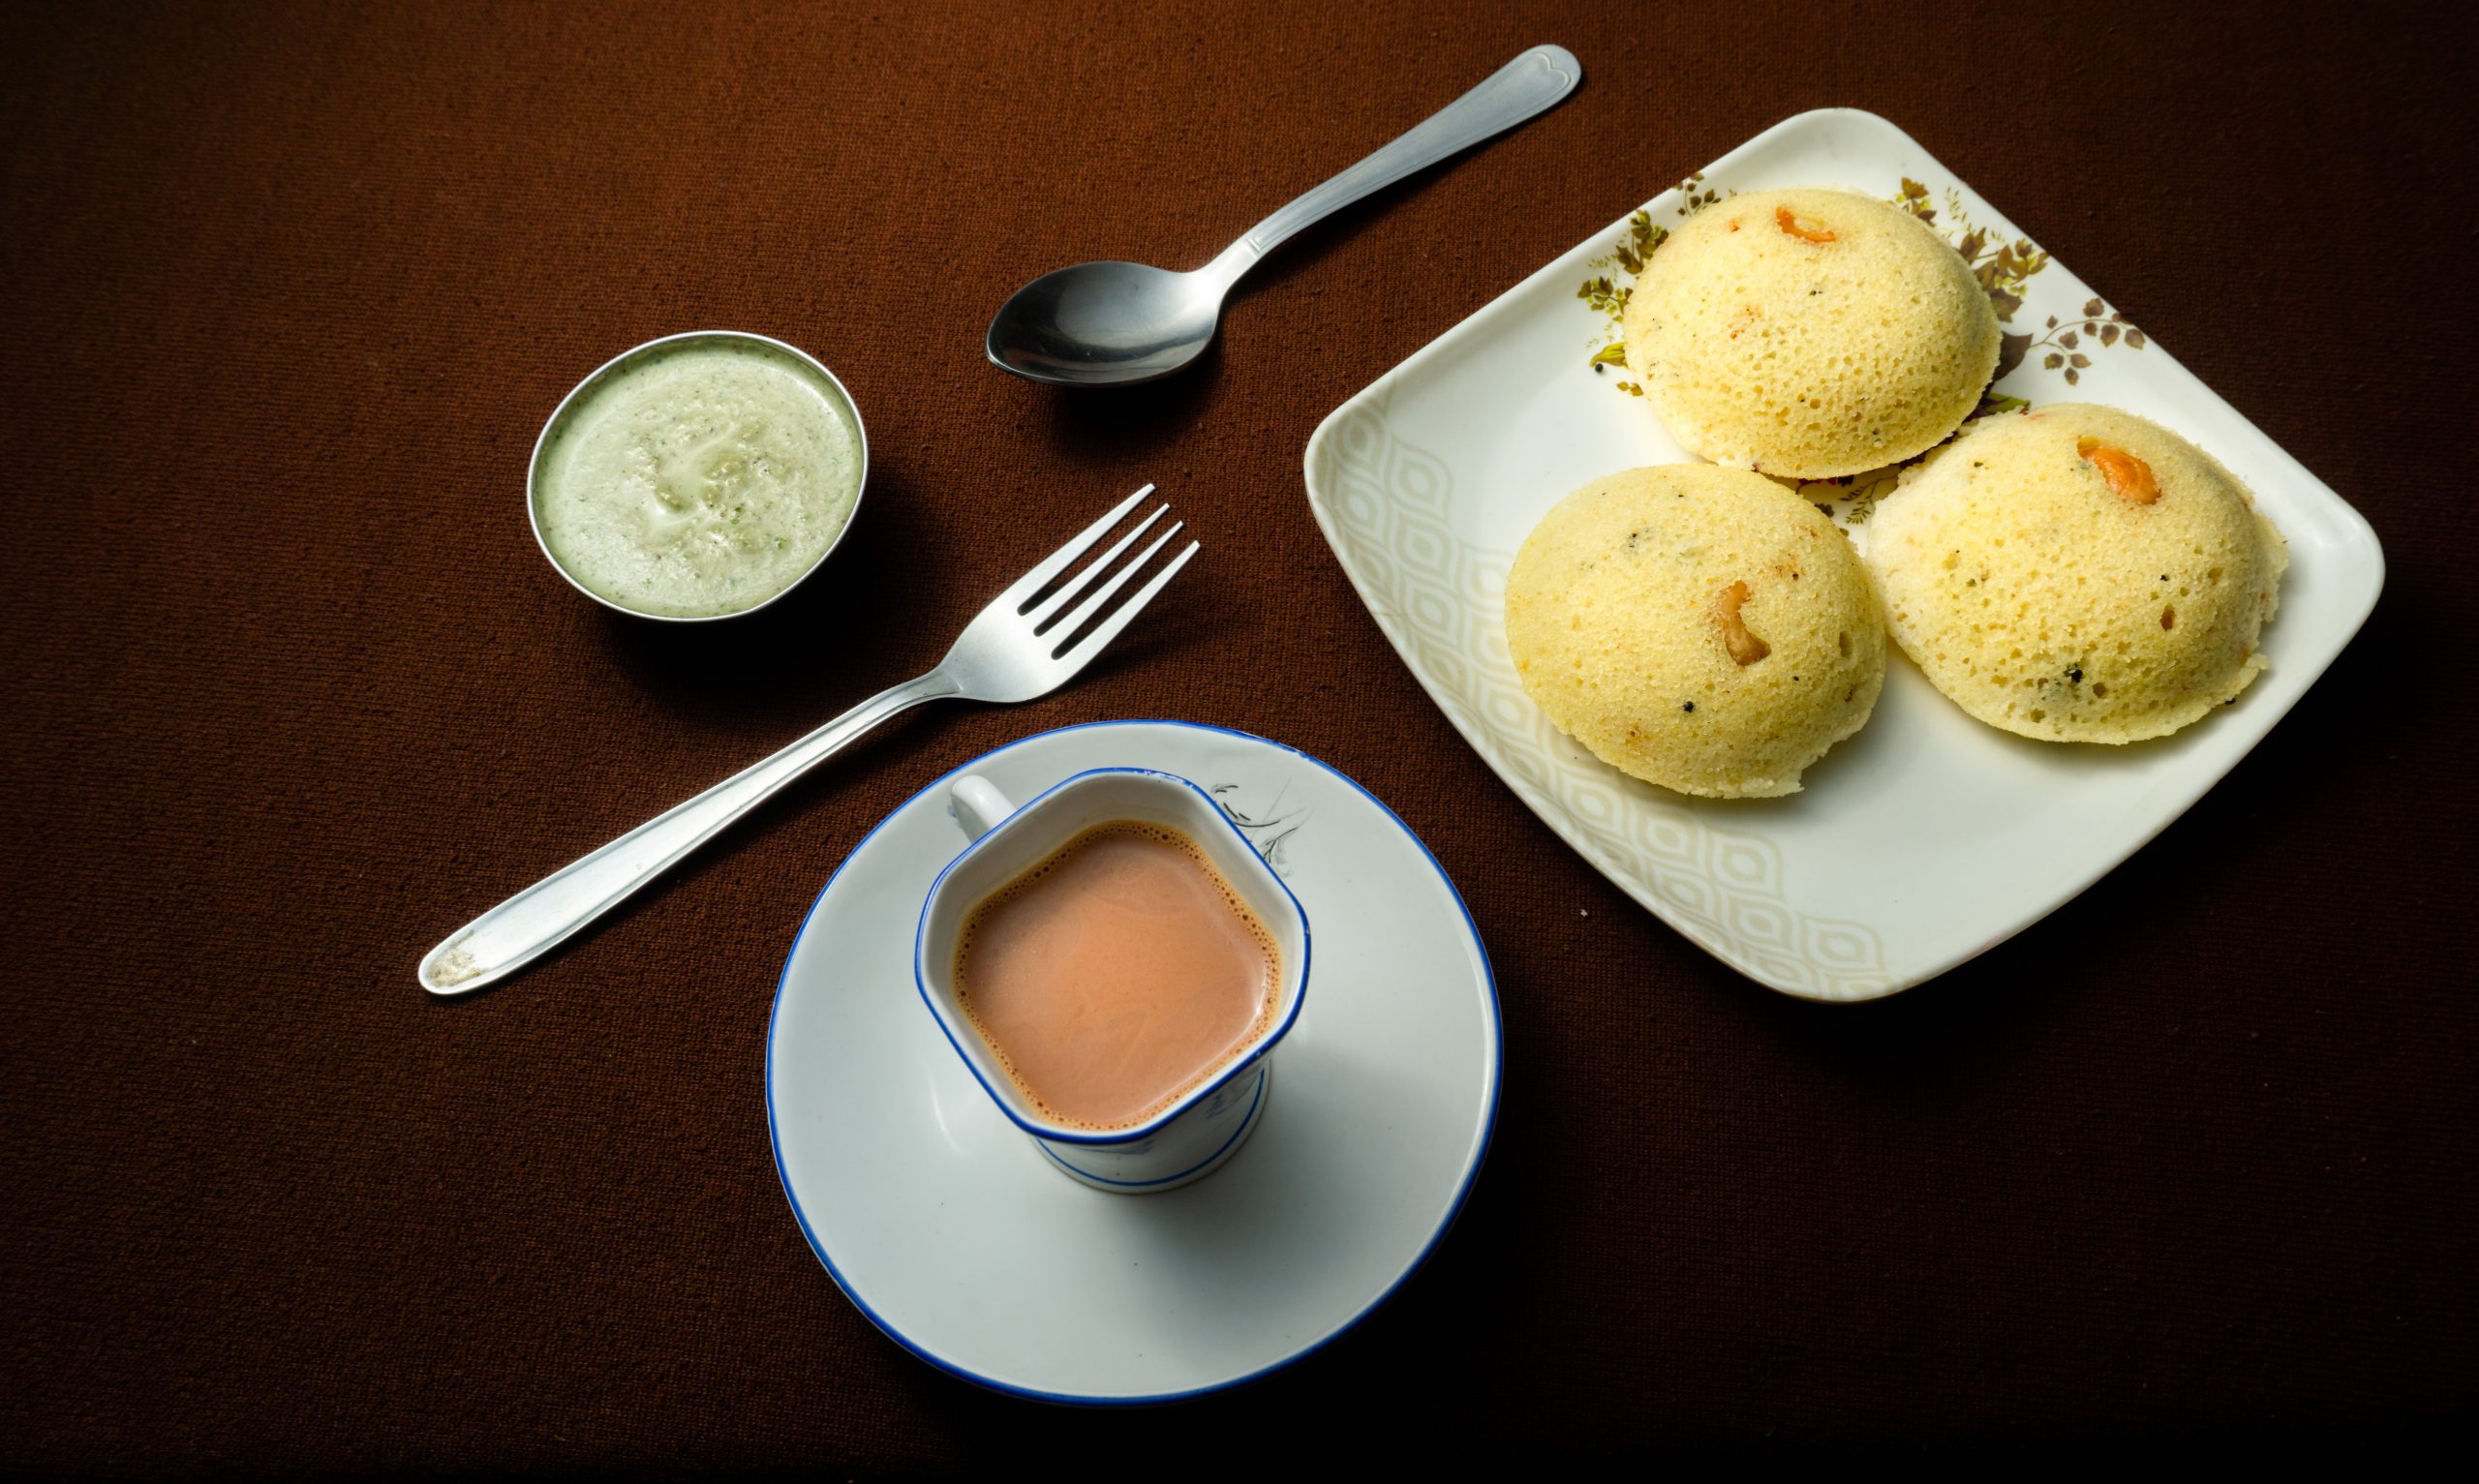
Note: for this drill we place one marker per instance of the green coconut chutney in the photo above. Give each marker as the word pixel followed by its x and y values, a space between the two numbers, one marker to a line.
pixel 700 480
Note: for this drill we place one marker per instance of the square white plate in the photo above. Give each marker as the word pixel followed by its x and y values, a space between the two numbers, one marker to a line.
pixel 1928 838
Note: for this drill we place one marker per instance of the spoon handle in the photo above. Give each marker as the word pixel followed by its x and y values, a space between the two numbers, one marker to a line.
pixel 1523 87
pixel 535 921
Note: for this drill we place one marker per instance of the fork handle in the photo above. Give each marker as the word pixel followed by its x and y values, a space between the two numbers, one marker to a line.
pixel 1523 87
pixel 529 924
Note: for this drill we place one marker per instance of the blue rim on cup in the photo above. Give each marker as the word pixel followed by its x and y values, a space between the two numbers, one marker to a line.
pixel 628 358
pixel 1201 1129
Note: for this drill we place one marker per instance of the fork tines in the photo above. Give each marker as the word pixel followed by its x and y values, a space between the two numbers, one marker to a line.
pixel 1065 610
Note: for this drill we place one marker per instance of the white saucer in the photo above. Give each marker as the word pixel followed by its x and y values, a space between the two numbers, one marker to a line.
pixel 947 1226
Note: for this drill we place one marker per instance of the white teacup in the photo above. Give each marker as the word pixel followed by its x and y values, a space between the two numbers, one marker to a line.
pixel 1193 1136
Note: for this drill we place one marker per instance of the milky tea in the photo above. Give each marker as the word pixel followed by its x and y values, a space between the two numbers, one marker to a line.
pixel 1117 975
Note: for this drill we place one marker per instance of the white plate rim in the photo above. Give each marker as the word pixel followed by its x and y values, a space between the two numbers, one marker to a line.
pixel 1477 1161
pixel 1556 816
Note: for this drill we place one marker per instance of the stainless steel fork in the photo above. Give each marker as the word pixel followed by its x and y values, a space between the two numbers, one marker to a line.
pixel 1026 643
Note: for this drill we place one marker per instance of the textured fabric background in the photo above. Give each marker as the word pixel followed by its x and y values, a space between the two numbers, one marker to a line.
pixel 288 692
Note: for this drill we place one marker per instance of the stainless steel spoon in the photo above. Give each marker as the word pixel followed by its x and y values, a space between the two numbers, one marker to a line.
pixel 1117 323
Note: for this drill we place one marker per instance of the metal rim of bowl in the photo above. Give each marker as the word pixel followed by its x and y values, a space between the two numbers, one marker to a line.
pixel 592 379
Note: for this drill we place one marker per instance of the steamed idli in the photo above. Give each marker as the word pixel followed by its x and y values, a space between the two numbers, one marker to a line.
pixel 1699 627
pixel 2076 573
pixel 1809 333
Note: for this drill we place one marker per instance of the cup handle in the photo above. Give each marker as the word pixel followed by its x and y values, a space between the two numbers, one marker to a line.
pixel 978 806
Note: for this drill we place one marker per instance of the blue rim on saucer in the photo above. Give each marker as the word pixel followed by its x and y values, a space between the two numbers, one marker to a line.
pixel 1454 1205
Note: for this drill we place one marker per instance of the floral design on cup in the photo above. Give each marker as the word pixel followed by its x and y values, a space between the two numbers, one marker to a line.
pixel 1269 831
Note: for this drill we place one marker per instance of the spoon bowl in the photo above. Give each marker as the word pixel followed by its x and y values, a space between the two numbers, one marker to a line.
pixel 1119 323
pixel 1107 324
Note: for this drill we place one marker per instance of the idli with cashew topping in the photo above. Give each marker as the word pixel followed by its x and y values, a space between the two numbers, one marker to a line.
pixel 2076 573
pixel 1699 627
pixel 1809 333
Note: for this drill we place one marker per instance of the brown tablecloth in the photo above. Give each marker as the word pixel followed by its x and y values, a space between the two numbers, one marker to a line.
pixel 290 692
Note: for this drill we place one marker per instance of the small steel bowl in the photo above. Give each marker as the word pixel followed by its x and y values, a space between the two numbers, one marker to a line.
pixel 631 357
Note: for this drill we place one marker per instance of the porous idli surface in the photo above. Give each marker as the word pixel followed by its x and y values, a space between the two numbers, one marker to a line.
pixel 2076 573
pixel 1699 627
pixel 1809 333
